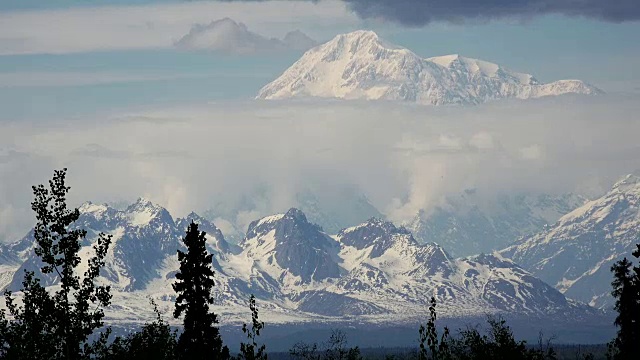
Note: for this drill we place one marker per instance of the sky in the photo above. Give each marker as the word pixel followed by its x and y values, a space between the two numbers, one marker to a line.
pixel 73 75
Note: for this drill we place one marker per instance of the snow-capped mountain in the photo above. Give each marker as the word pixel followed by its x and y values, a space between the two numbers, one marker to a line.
pixel 386 265
pixel 144 235
pixel 298 248
pixel 360 65
pixel 576 253
pixel 374 271
pixel 470 224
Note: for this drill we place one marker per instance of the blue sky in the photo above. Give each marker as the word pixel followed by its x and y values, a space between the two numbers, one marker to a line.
pixel 70 58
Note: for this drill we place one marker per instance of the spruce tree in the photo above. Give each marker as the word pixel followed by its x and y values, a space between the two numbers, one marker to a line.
pixel 626 291
pixel 57 325
pixel 200 338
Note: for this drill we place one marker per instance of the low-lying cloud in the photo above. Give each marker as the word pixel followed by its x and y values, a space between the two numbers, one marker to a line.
pixel 403 158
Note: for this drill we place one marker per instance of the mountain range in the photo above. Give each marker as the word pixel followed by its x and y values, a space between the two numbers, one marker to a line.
pixel 361 65
pixel 373 272
pixel 576 253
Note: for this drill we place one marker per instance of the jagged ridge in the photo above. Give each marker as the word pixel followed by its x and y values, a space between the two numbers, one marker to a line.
pixel 375 271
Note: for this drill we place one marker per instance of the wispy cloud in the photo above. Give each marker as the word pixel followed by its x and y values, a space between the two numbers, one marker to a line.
pixel 155 26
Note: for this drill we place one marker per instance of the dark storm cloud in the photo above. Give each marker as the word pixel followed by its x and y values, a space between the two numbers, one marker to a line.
pixel 422 12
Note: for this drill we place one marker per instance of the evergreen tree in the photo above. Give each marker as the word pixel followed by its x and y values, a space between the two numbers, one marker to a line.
pixel 251 350
pixel 56 325
pixel 200 338
pixel 626 291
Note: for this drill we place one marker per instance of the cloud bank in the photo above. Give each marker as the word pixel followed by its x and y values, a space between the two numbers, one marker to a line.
pixel 421 12
pixel 403 158
pixel 227 36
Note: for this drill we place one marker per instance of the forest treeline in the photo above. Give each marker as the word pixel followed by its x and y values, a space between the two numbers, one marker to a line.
pixel 66 321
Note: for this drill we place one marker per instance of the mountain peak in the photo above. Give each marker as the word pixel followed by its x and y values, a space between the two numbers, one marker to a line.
pixel 360 34
pixel 375 232
pixel 192 216
pixel 143 204
pixel 361 65
pixel 362 43
pixel 142 201
pixel 296 214
pixel 143 211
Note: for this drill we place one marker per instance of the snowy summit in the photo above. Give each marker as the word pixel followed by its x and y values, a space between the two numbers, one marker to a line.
pixel 360 65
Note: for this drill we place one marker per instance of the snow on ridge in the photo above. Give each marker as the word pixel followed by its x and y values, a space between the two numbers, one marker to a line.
pixel 392 284
pixel 141 218
pixel 270 219
pixel 629 185
pixel 482 67
pixel 360 65
pixel 89 207
pixel 576 253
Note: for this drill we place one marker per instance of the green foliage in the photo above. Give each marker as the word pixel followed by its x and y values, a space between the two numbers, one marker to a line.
pixel 626 291
pixel 200 338
pixel 251 350
pixel 304 351
pixel 155 341
pixel 430 346
pixel 498 343
pixel 335 349
pixel 56 326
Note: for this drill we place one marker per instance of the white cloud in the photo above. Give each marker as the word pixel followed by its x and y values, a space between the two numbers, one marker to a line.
pixel 450 142
pixel 482 141
pixel 156 26
pixel 404 158
pixel 533 152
